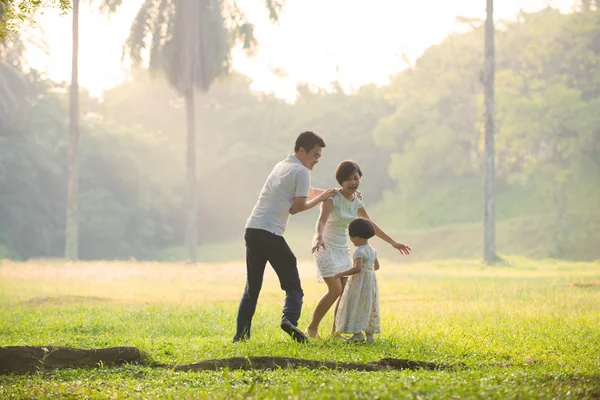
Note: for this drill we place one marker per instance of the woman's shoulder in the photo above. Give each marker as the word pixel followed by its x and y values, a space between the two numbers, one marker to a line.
pixel 336 199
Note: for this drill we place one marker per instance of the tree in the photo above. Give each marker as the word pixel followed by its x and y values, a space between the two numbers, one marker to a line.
pixel 489 247
pixel 587 5
pixel 190 42
pixel 72 231
pixel 14 13
pixel 14 87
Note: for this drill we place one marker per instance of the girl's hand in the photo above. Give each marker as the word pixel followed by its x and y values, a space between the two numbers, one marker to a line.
pixel 319 243
pixel 402 248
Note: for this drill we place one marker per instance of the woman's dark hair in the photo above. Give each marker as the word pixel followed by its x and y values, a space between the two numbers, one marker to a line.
pixel 345 171
pixel 308 140
pixel 362 228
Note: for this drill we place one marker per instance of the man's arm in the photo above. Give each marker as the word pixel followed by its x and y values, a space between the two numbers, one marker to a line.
pixel 302 203
pixel 314 192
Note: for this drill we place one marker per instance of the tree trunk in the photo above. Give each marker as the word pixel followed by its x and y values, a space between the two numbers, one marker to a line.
pixel 489 246
pixel 72 225
pixel 191 229
pixel 561 234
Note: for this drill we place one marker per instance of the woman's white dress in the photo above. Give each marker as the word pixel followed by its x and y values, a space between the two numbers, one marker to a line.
pixel 336 255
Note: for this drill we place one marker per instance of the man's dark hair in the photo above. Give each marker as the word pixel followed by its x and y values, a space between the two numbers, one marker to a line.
pixel 308 140
pixel 362 228
pixel 345 171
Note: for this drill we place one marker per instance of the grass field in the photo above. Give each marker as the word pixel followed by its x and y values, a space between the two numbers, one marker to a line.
pixel 530 329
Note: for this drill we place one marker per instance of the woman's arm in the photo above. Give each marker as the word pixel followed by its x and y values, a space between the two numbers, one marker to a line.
pixel 362 212
pixel 326 209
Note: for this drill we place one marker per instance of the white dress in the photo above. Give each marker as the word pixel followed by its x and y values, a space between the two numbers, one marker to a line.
pixel 336 255
pixel 359 305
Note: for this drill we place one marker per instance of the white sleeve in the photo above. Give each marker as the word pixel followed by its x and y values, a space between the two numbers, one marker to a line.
pixel 302 183
pixel 360 253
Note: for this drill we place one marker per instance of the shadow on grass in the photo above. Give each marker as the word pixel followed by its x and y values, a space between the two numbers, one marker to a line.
pixel 23 359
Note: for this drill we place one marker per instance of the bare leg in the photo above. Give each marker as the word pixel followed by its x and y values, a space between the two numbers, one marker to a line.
pixel 337 305
pixel 334 290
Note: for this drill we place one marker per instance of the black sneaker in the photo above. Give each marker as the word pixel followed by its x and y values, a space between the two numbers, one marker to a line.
pixel 293 331
pixel 240 338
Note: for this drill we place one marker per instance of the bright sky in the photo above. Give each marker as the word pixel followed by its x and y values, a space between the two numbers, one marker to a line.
pixel 316 41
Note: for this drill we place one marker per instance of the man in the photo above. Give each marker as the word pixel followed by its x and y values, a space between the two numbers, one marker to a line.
pixel 286 191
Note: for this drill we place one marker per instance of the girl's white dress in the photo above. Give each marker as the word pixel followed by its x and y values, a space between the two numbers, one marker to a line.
pixel 336 255
pixel 359 305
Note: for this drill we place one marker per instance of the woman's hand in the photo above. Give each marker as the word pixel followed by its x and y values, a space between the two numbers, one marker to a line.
pixel 319 243
pixel 339 275
pixel 402 248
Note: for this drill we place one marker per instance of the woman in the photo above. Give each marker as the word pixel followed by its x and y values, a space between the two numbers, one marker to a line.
pixel 331 248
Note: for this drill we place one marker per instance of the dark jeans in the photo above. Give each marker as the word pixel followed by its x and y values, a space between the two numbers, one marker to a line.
pixel 263 246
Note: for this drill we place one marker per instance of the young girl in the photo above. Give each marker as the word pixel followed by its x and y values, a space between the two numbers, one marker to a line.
pixel 359 305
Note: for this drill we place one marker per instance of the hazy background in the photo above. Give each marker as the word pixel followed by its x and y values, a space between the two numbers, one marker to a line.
pixel 393 85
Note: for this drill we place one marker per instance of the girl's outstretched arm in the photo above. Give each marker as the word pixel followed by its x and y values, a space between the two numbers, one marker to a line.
pixel 402 248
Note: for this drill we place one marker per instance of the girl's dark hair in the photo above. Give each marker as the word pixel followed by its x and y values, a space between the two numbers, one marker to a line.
pixel 308 140
pixel 362 228
pixel 345 171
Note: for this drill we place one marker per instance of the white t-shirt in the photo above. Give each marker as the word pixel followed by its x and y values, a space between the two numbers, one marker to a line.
pixel 289 179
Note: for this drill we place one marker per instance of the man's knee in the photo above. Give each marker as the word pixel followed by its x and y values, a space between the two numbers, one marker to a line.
pixel 252 291
pixel 292 286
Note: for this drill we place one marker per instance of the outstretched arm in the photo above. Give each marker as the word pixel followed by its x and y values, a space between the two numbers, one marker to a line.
pixel 362 212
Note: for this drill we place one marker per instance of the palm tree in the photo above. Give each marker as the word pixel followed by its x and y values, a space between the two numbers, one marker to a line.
pixel 15 89
pixel 489 246
pixel 13 12
pixel 72 224
pixel 190 43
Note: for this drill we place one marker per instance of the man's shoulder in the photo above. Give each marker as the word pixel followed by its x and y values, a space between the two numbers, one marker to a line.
pixel 288 165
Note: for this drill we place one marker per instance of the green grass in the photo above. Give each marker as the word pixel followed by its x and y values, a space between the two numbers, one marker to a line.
pixel 523 331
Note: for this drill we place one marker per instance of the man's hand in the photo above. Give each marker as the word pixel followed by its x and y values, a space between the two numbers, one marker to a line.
pixel 319 243
pixel 402 248
pixel 327 194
